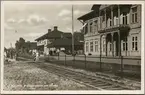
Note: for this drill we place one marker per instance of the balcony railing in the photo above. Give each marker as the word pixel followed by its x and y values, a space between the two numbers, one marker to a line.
pixel 116 25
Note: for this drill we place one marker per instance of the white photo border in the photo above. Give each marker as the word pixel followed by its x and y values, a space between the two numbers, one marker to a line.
pixel 74 91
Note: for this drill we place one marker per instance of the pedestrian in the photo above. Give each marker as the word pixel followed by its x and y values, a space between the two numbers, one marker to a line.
pixel 34 56
pixel 37 56
pixel 57 52
pixel 50 52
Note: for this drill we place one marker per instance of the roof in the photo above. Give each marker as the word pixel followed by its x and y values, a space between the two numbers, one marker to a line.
pixel 67 35
pixel 92 14
pixel 42 37
pixel 64 42
pixel 89 15
pixel 54 34
pixel 50 35
pixel 95 7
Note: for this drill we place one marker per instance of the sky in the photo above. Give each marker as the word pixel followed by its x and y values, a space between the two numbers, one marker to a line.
pixel 31 21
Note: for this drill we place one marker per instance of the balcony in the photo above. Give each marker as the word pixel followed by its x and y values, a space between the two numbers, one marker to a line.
pixel 114 27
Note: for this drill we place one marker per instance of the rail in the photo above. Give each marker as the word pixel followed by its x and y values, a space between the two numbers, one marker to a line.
pixel 118 65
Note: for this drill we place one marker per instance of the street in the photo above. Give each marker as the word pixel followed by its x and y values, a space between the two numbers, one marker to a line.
pixel 28 75
pixel 23 75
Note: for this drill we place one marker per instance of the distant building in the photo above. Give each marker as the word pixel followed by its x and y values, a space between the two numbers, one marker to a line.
pixel 56 39
pixel 113 30
pixel 30 46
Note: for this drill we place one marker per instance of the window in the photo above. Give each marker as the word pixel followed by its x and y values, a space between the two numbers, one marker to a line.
pixel 124 19
pixel 87 47
pixel 134 15
pixel 96 26
pixel 100 23
pixel 96 46
pixel 110 22
pixel 132 43
pixel 91 46
pixel 91 27
pixel 136 47
pixel 135 43
pixel 125 47
pixel 86 28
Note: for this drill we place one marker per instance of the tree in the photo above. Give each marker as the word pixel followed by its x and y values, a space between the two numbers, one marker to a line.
pixel 17 45
pixel 20 44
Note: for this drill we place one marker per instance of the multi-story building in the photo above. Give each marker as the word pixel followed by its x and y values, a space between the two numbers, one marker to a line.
pixel 113 30
pixel 44 43
pixel 56 39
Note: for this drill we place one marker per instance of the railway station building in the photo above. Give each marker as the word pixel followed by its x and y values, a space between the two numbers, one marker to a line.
pixel 55 39
pixel 112 30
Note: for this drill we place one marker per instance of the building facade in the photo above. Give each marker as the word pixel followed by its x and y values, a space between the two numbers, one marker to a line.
pixel 44 42
pixel 55 39
pixel 112 30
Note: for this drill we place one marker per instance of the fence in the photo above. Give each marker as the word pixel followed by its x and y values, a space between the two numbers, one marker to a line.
pixel 118 65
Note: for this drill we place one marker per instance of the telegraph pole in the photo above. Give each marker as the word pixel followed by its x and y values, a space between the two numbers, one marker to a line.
pixel 11 45
pixel 72 31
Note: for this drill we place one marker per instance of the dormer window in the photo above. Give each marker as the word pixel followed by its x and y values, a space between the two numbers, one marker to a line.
pixel 134 15
pixel 96 25
pixel 91 27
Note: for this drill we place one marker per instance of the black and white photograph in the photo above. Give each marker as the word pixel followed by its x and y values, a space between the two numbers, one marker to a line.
pixel 94 47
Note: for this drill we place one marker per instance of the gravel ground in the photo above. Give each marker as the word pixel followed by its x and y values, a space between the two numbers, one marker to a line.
pixel 24 76
pixel 127 82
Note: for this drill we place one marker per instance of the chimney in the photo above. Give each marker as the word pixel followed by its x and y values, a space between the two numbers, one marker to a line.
pixel 55 28
pixel 49 30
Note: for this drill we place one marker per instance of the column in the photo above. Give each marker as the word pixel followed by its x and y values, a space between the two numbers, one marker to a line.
pixel 126 45
pixel 100 19
pixel 100 45
pixel 119 14
pixel 105 19
pixel 89 27
pixel 112 40
pixel 119 43
pixel 99 22
pixel 100 52
pixel 112 22
pixel 106 43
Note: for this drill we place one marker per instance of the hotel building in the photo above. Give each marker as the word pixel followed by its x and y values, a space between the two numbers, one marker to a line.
pixel 112 30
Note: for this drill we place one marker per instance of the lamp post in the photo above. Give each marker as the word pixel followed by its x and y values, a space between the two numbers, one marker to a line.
pixel 72 32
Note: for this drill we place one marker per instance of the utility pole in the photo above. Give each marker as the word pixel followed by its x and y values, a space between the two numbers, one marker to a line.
pixel 11 45
pixel 72 31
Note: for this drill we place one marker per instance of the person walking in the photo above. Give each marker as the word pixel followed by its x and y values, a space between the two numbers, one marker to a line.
pixel 57 52
pixel 34 54
pixel 37 56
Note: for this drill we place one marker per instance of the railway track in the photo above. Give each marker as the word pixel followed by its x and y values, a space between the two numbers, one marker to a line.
pixel 94 82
